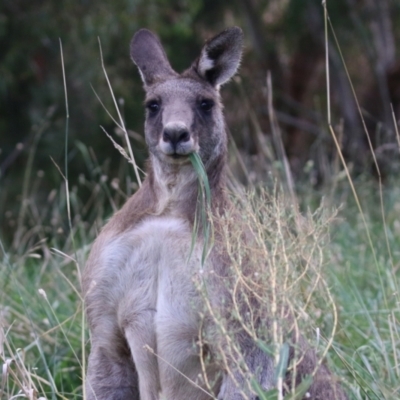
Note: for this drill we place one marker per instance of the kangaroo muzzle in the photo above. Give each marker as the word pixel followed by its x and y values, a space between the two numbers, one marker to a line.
pixel 176 140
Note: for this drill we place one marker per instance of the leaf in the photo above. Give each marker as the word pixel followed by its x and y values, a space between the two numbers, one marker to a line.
pixel 281 368
pixel 204 197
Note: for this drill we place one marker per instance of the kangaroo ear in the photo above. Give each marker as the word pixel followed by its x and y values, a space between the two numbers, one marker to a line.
pixel 150 58
pixel 220 57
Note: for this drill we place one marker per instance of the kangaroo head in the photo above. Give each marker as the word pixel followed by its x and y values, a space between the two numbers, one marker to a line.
pixel 183 111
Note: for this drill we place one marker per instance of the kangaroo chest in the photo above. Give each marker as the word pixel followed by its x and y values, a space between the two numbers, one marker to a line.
pixel 154 263
pixel 152 271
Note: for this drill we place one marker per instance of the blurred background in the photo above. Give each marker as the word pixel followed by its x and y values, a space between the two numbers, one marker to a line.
pixel 278 97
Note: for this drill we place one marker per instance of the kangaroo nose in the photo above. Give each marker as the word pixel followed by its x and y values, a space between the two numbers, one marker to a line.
pixel 176 135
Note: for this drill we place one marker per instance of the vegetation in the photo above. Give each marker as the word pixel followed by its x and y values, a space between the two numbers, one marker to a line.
pixel 44 342
pixel 349 210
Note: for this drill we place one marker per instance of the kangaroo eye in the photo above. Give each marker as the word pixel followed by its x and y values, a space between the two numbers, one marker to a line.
pixel 153 106
pixel 206 105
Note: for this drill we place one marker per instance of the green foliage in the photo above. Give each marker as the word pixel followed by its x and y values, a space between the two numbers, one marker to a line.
pixel 202 223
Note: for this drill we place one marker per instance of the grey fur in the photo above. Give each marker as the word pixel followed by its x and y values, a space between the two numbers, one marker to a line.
pixel 143 309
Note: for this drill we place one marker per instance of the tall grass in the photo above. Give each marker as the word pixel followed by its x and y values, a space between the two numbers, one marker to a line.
pixel 41 320
pixel 275 280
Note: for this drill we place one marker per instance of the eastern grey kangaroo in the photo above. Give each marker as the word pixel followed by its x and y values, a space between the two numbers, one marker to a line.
pixel 144 311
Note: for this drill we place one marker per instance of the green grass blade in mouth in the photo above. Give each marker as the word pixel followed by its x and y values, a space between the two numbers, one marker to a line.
pixel 204 203
pixel 202 175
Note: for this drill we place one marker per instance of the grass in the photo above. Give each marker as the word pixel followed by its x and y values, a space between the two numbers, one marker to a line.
pixel 43 338
pixel 274 277
pixel 369 331
pixel 41 343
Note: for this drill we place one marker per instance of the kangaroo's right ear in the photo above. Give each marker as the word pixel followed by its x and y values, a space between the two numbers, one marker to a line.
pixel 149 56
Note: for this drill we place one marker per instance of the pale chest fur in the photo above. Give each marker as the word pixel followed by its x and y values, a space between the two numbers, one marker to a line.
pixel 151 266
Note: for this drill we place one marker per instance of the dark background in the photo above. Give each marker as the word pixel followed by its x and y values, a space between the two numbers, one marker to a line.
pixel 282 37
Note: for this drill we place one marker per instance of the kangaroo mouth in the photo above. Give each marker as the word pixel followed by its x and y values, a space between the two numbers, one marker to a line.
pixel 177 154
pixel 177 158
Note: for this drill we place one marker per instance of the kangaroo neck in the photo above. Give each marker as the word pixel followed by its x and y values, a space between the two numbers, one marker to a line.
pixel 176 186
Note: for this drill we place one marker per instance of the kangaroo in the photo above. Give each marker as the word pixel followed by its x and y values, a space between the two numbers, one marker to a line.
pixel 144 311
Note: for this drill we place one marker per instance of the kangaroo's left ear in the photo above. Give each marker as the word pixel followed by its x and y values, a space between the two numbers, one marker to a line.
pixel 220 56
